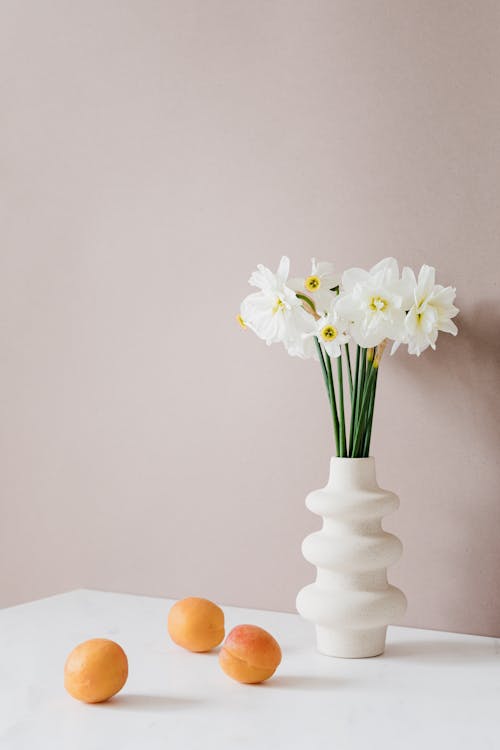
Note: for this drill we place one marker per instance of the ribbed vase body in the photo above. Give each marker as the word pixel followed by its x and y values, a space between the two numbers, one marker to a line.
pixel 351 602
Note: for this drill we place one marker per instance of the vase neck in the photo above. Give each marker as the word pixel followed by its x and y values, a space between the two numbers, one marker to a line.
pixel 352 473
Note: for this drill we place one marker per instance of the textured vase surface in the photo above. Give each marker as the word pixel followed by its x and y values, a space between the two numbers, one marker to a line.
pixel 351 602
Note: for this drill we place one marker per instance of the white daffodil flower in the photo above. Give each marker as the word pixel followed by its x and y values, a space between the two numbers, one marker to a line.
pixel 318 286
pixel 432 311
pixel 330 330
pixel 373 302
pixel 302 344
pixel 275 314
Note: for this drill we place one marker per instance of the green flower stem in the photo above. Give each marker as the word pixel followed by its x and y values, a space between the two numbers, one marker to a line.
pixel 354 399
pixel 362 423
pixel 327 376
pixel 307 300
pixel 362 392
pixel 370 353
pixel 362 377
pixel 323 366
pixel 342 443
pixel 359 398
pixel 366 430
pixel 349 370
pixel 333 402
pixel 368 433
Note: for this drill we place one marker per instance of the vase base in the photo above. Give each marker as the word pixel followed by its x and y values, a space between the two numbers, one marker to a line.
pixel 351 644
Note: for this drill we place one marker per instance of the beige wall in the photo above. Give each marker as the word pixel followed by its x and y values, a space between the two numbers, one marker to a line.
pixel 151 154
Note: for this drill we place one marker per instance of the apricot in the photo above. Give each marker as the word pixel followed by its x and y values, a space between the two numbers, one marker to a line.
pixel 95 670
pixel 250 654
pixel 196 624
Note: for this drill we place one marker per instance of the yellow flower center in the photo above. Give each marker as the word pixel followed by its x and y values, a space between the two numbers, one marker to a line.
pixel 378 304
pixel 329 333
pixel 241 321
pixel 420 309
pixel 312 283
pixel 278 306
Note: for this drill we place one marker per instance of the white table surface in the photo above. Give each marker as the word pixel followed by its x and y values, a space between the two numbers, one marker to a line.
pixel 429 690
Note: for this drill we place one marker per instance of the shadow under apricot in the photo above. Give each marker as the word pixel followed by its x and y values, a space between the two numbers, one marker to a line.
pixel 154 703
pixel 303 682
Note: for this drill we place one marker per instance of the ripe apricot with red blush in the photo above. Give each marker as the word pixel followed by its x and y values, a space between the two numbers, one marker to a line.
pixel 250 654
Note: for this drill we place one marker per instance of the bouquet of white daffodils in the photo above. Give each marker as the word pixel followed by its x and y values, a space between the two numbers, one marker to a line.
pixel 320 316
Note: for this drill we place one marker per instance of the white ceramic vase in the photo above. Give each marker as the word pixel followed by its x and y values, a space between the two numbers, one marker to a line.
pixel 351 603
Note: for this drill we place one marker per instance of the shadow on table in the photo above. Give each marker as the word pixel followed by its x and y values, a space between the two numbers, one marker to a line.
pixel 443 652
pixel 143 702
pixel 303 682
